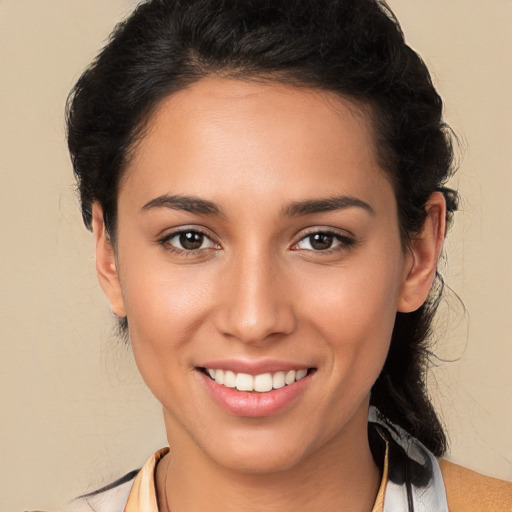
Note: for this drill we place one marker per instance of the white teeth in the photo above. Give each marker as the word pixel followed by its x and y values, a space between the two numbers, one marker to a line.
pixel 219 376
pixel 289 378
pixel 229 379
pixel 244 382
pixel 278 380
pixel 300 374
pixel 261 383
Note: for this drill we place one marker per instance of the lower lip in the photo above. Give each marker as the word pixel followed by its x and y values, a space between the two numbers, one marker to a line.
pixel 255 405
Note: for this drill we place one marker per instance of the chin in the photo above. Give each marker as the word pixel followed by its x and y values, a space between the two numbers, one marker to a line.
pixel 261 450
pixel 258 460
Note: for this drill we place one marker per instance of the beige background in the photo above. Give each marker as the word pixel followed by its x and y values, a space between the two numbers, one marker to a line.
pixel 74 414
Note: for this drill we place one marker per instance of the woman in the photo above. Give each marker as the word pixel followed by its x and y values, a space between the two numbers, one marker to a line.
pixel 265 183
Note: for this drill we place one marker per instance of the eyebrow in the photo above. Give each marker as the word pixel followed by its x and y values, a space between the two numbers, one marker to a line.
pixel 188 203
pixel 311 206
pixel 296 209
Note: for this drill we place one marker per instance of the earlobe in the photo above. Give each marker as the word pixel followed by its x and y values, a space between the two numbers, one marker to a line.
pixel 423 254
pixel 106 266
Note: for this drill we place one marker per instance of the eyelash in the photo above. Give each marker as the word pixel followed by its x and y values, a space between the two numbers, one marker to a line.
pixel 345 242
pixel 165 241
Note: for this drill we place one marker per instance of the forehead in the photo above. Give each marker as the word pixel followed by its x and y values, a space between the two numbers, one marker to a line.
pixel 220 136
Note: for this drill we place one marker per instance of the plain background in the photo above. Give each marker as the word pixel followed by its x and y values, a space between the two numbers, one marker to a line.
pixel 74 413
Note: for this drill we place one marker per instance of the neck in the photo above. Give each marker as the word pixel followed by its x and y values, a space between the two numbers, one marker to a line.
pixel 340 476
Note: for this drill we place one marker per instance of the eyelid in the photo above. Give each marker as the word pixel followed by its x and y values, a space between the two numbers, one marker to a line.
pixel 169 235
pixel 343 236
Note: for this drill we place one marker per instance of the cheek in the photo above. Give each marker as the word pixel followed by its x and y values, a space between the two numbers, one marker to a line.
pixel 360 298
pixel 354 312
pixel 164 308
pixel 164 314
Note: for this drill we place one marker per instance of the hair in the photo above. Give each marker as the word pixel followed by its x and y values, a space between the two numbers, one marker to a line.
pixel 354 48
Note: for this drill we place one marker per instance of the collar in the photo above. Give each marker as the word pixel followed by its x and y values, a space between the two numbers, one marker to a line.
pixel 143 493
pixel 415 482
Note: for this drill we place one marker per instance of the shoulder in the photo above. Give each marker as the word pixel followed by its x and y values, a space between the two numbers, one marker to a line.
pixel 468 491
pixel 417 476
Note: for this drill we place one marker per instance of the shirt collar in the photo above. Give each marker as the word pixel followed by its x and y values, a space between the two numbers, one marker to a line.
pixel 143 493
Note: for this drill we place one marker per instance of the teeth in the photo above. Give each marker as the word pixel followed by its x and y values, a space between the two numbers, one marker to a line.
pixel 289 378
pixel 260 383
pixel 218 376
pixel 278 380
pixel 244 382
pixel 229 379
pixel 263 382
pixel 300 374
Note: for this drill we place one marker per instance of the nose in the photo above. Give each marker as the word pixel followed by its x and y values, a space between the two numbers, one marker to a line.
pixel 255 304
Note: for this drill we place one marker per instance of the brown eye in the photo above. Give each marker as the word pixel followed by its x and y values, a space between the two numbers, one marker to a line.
pixel 324 241
pixel 188 241
pixel 321 241
pixel 191 240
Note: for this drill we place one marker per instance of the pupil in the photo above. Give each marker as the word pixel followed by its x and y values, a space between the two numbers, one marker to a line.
pixel 320 241
pixel 191 240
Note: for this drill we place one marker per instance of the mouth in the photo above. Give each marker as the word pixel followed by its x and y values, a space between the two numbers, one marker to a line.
pixel 258 389
pixel 261 383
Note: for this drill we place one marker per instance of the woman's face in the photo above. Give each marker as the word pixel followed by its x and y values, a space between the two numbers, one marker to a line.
pixel 257 242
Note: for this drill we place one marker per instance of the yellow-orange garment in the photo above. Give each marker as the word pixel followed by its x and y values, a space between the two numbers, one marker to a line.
pixel 468 491
pixel 143 493
pixel 379 501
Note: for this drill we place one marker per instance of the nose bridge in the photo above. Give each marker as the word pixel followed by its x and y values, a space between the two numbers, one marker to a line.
pixel 255 305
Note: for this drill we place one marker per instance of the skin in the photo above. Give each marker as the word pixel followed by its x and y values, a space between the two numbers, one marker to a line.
pixel 257 289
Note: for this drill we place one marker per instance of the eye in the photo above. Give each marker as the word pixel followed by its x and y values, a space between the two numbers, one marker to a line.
pixel 188 241
pixel 323 241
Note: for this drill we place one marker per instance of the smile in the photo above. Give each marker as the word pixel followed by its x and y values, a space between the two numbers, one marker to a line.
pixel 262 383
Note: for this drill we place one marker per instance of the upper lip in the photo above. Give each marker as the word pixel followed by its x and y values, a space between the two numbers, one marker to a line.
pixel 253 367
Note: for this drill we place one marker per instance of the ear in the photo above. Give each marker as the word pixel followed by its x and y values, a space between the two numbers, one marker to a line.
pixel 423 254
pixel 106 266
